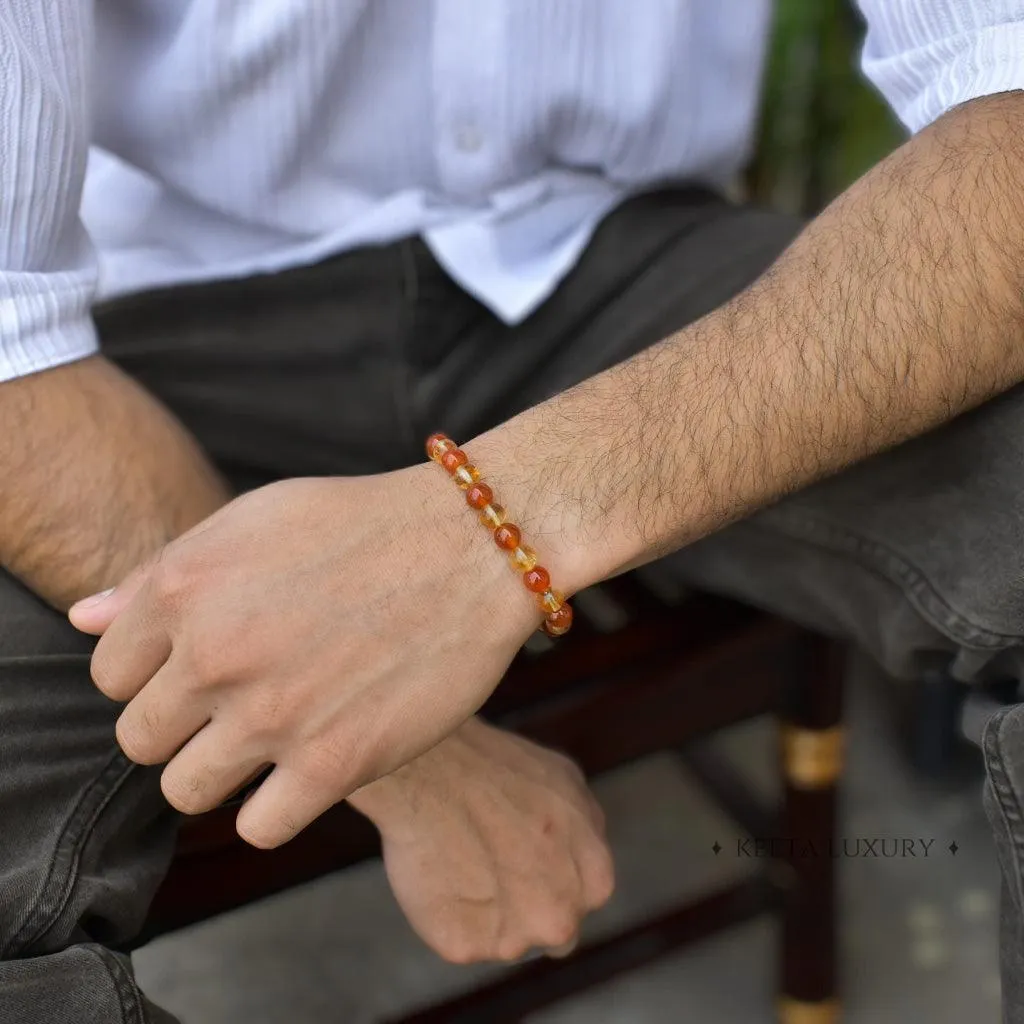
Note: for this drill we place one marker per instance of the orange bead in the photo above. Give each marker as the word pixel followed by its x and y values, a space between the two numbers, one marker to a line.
pixel 523 558
pixel 479 496
pixel 559 623
pixel 437 445
pixel 466 476
pixel 453 458
pixel 537 580
pixel 492 516
pixel 507 536
pixel 551 601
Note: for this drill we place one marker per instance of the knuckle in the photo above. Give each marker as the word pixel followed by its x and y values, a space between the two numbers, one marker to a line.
pixel 104 675
pixel 601 883
pixel 290 826
pixel 171 580
pixel 256 838
pixel 559 930
pixel 205 660
pixel 150 721
pixel 263 715
pixel 135 741
pixel 185 792
pixel 284 826
pixel 458 951
pixel 512 947
pixel 268 833
pixel 328 762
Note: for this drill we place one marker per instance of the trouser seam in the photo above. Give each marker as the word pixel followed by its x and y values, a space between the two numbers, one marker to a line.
pixel 67 854
pixel 877 557
pixel 1006 800
pixel 127 992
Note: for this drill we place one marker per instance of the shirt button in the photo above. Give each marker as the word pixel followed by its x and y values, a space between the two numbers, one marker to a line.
pixel 468 139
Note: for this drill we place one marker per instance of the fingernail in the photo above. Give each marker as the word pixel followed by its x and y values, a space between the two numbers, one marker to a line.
pixel 95 599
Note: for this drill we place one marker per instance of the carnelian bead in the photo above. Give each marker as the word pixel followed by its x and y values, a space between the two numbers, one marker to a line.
pixel 551 601
pixel 558 623
pixel 466 476
pixel 453 458
pixel 507 536
pixel 437 445
pixel 479 496
pixel 492 516
pixel 523 558
pixel 537 579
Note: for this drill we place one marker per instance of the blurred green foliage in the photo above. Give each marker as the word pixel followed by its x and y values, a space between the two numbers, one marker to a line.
pixel 822 125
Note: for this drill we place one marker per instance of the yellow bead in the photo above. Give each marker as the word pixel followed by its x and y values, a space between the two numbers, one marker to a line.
pixel 466 476
pixel 493 516
pixel 550 601
pixel 523 558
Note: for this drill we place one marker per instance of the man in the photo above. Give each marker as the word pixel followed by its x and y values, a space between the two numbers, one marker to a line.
pixel 325 230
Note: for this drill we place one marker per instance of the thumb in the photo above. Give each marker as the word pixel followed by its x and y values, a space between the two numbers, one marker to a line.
pixel 94 614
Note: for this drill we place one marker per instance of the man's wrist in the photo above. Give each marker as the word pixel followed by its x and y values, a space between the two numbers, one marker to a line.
pixel 456 527
pixel 384 800
pixel 575 542
pixel 393 801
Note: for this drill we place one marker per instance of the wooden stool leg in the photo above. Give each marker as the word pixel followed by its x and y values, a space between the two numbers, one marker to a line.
pixel 812 761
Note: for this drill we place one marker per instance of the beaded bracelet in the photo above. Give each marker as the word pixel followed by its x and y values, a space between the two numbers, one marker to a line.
pixel 557 611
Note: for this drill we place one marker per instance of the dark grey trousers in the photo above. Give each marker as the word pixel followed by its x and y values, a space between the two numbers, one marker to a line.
pixel 344 368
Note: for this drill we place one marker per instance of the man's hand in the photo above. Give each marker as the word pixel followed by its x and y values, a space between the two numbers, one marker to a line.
pixel 493 846
pixel 335 628
pixel 339 628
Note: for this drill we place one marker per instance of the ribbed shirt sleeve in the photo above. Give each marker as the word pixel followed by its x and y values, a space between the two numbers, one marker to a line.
pixel 927 56
pixel 48 274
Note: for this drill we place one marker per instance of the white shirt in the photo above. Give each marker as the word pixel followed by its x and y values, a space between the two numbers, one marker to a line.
pixel 230 137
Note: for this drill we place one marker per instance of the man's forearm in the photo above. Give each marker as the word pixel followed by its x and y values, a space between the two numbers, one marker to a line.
pixel 96 476
pixel 899 307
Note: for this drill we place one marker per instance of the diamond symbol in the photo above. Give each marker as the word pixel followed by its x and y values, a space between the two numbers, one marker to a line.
pixel 953 848
pixel 717 848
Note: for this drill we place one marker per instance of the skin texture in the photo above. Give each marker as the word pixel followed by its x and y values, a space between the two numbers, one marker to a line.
pixel 514 856
pixel 102 477
pixel 895 310
pixel 97 476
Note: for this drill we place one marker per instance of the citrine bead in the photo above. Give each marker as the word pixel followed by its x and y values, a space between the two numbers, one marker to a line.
pixel 507 536
pixel 479 496
pixel 551 600
pixel 466 476
pixel 537 579
pixel 558 623
pixel 524 558
pixel 437 445
pixel 453 458
pixel 492 516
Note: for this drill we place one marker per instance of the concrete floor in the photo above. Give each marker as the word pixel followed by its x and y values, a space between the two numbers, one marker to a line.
pixel 919 935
